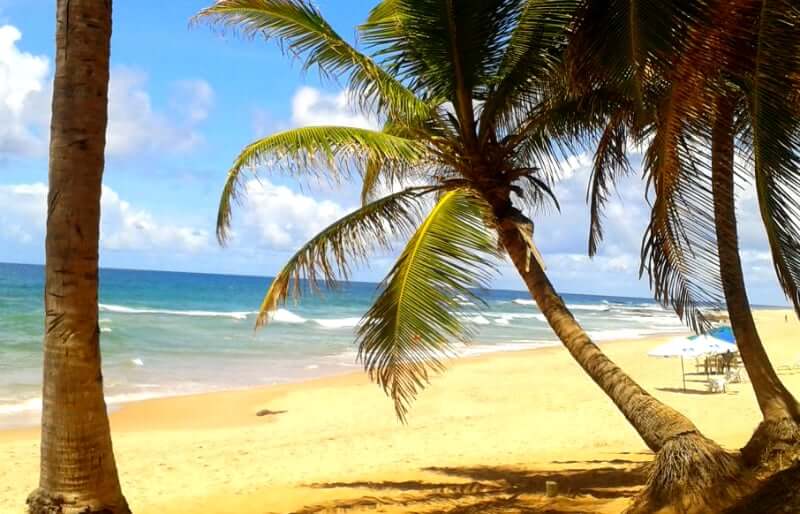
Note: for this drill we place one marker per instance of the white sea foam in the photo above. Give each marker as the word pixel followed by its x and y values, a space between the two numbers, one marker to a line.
pixel 105 329
pixel 477 319
pixel 588 307
pixel 286 316
pixel 122 309
pixel 335 323
pixel 505 318
pixel 35 404
pixel 462 300
pixel 524 301
pixel 137 362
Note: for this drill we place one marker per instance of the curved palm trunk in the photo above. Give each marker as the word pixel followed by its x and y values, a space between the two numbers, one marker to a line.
pixel 78 472
pixel 691 473
pixel 777 404
pixel 655 422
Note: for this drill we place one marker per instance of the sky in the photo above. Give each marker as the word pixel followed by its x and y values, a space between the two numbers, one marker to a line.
pixel 184 100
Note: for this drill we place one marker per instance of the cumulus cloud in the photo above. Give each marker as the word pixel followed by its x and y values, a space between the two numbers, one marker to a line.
pixel 313 107
pixel 280 218
pixel 122 226
pixel 24 97
pixel 23 211
pixel 563 238
pixel 134 125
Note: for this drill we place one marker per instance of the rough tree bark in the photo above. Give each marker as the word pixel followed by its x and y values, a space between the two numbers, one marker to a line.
pixel 78 472
pixel 688 465
pixel 779 430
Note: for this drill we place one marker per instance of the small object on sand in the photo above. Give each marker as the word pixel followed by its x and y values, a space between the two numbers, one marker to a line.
pixel 267 412
pixel 551 488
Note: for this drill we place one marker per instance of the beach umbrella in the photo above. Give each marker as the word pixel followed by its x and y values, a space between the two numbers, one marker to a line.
pixel 679 347
pixel 724 334
pixel 718 340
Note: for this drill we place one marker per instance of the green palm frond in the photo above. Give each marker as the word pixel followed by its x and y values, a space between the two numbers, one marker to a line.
pixel 610 163
pixel 775 120
pixel 530 55
pixel 307 149
pixel 301 29
pixel 679 246
pixel 415 319
pixel 447 48
pixel 377 171
pixel 330 255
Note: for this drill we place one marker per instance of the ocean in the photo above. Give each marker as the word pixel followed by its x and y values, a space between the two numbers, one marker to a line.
pixel 167 334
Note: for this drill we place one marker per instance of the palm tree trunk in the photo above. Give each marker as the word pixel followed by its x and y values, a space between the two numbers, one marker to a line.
pixel 655 422
pixel 778 407
pixel 688 465
pixel 78 472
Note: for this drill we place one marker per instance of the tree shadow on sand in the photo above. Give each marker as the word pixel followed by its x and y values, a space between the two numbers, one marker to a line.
pixel 492 490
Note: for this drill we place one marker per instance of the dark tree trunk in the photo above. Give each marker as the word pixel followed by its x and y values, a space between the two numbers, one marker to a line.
pixel 778 407
pixel 655 422
pixel 78 472
pixel 688 466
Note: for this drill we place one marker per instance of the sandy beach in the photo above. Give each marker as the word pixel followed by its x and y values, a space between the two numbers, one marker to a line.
pixel 484 437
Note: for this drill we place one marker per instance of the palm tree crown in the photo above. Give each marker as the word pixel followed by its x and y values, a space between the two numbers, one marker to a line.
pixel 459 89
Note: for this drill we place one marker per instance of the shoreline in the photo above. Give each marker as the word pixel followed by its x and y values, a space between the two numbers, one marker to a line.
pixel 479 351
pixel 492 428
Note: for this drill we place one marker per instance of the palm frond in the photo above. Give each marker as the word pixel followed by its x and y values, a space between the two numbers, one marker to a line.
pixel 300 28
pixel 309 149
pixel 775 121
pixel 377 171
pixel 610 163
pixel 531 52
pixel 447 49
pixel 330 255
pixel 414 321
pixel 679 246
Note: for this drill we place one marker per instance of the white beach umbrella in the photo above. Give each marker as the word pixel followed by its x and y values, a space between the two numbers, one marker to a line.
pixel 679 347
pixel 689 347
pixel 693 346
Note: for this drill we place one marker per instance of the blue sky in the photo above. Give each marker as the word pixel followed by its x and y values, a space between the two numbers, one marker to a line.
pixel 184 101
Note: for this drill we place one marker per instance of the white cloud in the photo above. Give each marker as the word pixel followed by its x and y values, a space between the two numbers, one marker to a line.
pixel 279 218
pixel 134 125
pixel 122 226
pixel 563 238
pixel 24 97
pixel 23 211
pixel 193 98
pixel 313 107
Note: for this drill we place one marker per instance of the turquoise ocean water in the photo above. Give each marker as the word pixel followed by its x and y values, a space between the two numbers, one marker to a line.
pixel 165 334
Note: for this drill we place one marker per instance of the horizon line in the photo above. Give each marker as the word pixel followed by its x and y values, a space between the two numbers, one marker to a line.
pixel 523 291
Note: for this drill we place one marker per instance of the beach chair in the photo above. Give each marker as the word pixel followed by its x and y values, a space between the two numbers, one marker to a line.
pixel 736 375
pixel 717 385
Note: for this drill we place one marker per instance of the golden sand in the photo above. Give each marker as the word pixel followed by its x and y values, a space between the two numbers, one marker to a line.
pixel 484 437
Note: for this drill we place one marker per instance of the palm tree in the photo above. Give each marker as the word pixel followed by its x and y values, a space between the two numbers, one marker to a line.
pixel 78 472
pixel 461 89
pixel 726 78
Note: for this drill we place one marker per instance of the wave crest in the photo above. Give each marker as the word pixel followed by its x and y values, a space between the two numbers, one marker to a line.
pixel 122 309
